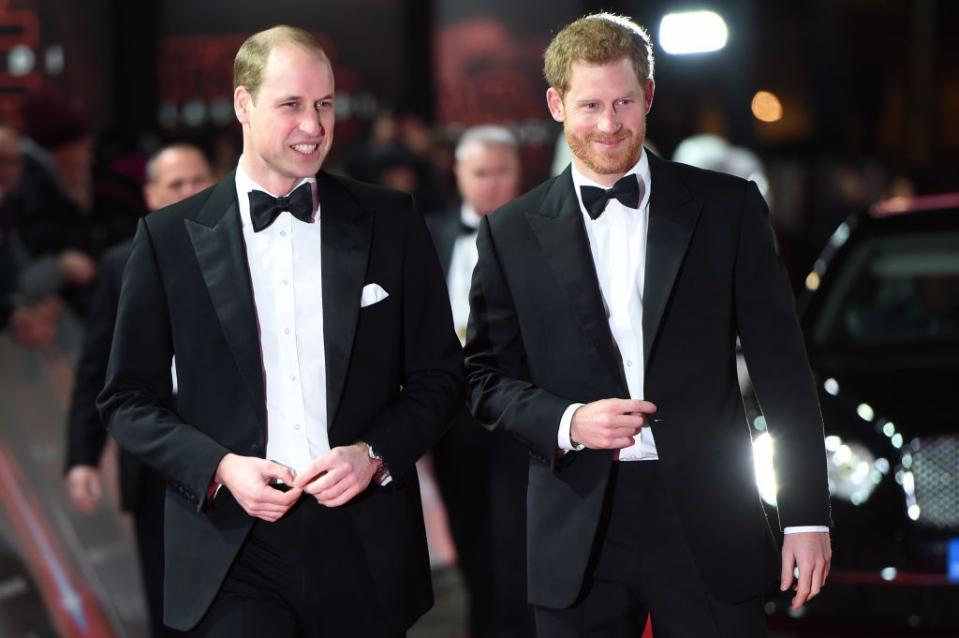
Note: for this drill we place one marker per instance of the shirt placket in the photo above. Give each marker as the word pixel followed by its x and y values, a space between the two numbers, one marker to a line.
pixel 299 451
pixel 621 290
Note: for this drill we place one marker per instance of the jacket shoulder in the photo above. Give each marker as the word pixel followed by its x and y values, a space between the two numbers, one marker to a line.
pixel 370 196
pixel 515 210
pixel 163 218
pixel 704 181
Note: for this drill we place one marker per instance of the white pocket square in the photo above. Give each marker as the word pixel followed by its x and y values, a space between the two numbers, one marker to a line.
pixel 372 293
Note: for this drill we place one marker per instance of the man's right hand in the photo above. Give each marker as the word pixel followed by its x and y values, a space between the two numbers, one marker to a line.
pixel 248 479
pixel 84 487
pixel 609 424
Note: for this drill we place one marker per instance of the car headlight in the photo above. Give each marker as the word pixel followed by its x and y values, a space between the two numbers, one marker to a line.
pixel 763 463
pixel 853 471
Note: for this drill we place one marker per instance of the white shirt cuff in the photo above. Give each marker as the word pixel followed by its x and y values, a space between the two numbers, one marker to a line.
pixel 562 438
pixel 805 528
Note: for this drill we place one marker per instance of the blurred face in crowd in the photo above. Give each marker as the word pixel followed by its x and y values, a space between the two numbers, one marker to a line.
pixel 11 162
pixel 75 161
pixel 178 172
pixel 288 123
pixel 604 117
pixel 487 176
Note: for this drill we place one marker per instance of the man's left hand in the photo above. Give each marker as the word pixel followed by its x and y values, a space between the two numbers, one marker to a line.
pixel 812 554
pixel 337 477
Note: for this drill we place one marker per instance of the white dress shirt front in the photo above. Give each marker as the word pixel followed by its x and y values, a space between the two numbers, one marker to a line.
pixel 617 241
pixel 286 273
pixel 460 273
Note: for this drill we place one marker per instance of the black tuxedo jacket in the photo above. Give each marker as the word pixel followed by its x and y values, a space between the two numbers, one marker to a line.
pixel 539 340
pixel 394 377
pixel 86 436
pixel 445 228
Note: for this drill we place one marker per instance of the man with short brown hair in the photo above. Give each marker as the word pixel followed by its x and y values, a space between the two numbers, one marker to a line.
pixel 315 361
pixel 605 309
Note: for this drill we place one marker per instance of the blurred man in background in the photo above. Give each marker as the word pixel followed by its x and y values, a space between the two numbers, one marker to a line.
pixel 173 173
pixel 29 307
pixel 481 474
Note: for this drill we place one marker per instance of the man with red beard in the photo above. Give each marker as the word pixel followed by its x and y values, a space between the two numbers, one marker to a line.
pixel 605 308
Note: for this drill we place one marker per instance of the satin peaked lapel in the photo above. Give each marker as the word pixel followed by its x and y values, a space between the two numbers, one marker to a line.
pixel 217 237
pixel 673 213
pixel 347 232
pixel 559 229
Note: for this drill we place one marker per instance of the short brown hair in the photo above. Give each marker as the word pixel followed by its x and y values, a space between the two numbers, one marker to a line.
pixel 251 59
pixel 597 39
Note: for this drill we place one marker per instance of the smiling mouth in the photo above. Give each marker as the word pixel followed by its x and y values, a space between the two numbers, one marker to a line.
pixel 305 149
pixel 610 142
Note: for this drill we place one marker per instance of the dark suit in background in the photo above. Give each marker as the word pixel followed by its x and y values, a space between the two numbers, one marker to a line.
pixel 141 490
pixel 482 477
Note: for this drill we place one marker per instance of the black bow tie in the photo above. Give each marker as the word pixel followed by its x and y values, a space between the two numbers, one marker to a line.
pixel 626 190
pixel 264 208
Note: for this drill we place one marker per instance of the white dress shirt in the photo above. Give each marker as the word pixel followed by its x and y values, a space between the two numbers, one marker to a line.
pixel 286 273
pixel 459 276
pixel 617 240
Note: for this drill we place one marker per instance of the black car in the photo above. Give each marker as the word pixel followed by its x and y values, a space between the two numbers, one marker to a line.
pixel 880 314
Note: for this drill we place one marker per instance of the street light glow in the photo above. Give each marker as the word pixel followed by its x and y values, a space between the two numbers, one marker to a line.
pixel 692 32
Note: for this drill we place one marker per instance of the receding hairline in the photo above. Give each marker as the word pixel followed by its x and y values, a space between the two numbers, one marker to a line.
pixel 485 136
pixel 255 53
pixel 154 159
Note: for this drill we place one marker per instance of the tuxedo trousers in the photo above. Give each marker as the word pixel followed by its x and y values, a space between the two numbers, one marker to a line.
pixel 148 526
pixel 641 566
pixel 482 477
pixel 303 576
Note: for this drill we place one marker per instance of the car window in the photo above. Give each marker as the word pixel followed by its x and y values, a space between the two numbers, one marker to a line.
pixel 894 290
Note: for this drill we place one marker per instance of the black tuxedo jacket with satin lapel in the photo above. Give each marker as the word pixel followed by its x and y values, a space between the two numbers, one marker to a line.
pixel 86 436
pixel 394 377
pixel 445 228
pixel 539 340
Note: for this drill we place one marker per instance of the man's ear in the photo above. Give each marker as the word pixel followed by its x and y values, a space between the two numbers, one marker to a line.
pixel 648 94
pixel 149 195
pixel 555 103
pixel 242 101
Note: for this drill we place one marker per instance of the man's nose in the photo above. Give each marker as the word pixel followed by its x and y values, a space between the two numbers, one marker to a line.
pixel 310 123
pixel 609 121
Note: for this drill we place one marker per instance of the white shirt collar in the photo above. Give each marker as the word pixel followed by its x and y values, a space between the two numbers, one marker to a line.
pixel 469 216
pixel 245 184
pixel 640 169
